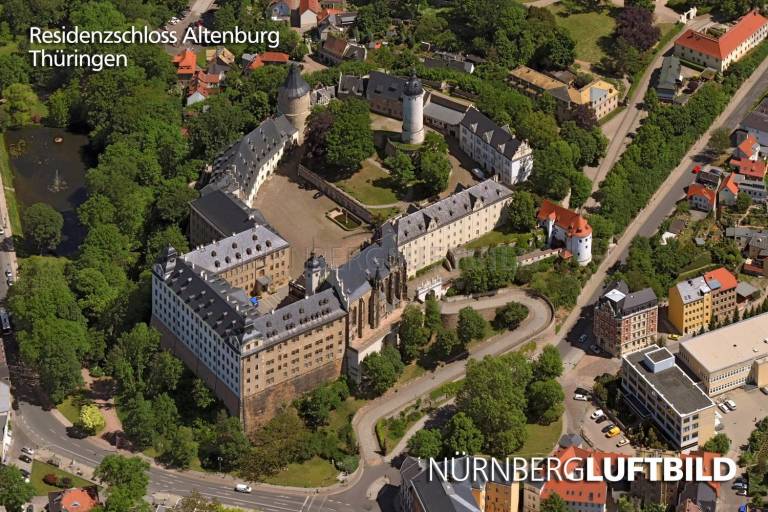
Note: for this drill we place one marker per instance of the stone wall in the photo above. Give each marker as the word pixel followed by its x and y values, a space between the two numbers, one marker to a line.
pixel 343 199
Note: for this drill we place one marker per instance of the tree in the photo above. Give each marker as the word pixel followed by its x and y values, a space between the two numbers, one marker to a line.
pixel 635 26
pixel 202 395
pixel 164 373
pixel 719 443
pixel 462 436
pixel 743 202
pixel 182 448
pixel 139 421
pixel 42 227
pixel 131 474
pixel 521 212
pixel 493 396
pixel 91 419
pixel 413 334
pixel 434 171
pixel 401 169
pixel 380 371
pixel 471 325
pixel 13 70
pixel 14 492
pixel 22 106
pixel 227 444
pixel 720 140
pixel 559 52
pixel 432 319
pixel 446 343
pixel 434 143
pixel 549 364
pixel 349 140
pixel 166 415
pixel 283 440
pixel 59 368
pixel 510 316
pixel 554 504
pixel 545 401
pixel 426 443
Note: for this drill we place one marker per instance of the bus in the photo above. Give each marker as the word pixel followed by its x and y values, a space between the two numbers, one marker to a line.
pixel 5 321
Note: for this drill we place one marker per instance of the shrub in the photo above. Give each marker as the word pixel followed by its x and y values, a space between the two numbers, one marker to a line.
pixel 65 483
pixel 51 479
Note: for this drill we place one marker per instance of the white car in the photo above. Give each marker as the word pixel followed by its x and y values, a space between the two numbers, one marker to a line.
pixel 243 488
pixel 597 414
pixel 579 397
pixel 28 451
pixel 730 404
pixel 723 408
pixel 622 442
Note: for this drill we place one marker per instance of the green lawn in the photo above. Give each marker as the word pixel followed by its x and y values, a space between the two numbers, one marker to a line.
pixel 541 439
pixel 40 469
pixel 587 29
pixel 343 414
pixel 369 185
pixel 70 408
pixel 10 193
pixel 390 431
pixel 316 472
pixel 410 372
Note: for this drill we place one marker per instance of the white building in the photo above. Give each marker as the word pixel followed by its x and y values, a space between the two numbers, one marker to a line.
pixel 718 53
pixel 495 148
pixel 5 420
pixel 425 237
pixel 245 165
pixel 413 111
pixel 568 229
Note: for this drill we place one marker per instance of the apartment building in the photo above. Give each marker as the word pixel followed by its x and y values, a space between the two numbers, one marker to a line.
pixel 730 357
pixel 424 237
pixel 468 493
pixel 625 321
pixel 600 96
pixel 719 52
pixel 566 228
pixel 723 288
pixel 495 148
pixel 245 165
pixel 690 305
pixel 659 390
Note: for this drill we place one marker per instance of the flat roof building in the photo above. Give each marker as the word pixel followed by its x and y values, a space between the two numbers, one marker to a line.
pixel 729 357
pixel 658 389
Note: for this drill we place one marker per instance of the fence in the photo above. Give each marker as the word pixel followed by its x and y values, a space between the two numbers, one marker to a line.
pixel 337 195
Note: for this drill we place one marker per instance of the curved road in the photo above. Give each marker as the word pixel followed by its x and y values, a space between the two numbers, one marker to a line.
pixel 42 429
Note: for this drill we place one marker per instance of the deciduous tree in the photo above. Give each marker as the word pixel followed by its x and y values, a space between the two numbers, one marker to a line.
pixel 42 227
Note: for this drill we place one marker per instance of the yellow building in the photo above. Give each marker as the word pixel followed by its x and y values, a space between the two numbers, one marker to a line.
pixel 690 305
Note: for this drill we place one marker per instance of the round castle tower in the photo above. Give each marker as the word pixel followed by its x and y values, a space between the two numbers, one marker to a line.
pixel 413 111
pixel 293 100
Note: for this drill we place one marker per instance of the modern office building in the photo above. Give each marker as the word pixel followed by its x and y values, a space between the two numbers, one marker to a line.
pixel 625 321
pixel 425 236
pixel 659 390
pixel 730 357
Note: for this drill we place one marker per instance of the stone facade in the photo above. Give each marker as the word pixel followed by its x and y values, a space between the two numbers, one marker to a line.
pixel 625 322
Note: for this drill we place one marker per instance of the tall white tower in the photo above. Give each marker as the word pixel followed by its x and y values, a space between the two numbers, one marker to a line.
pixel 413 111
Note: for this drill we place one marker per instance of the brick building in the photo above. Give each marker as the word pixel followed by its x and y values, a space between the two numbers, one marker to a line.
pixel 625 322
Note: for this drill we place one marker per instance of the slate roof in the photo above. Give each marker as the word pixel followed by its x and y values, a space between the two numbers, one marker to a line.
pixel 384 85
pixel 230 252
pixel 449 210
pixel 350 84
pixel 499 138
pixel 235 165
pixel 374 261
pixel 670 73
pixel 295 86
pixel 225 212
pixel 758 118
pixel 443 109
pixel 624 303
pixel 672 384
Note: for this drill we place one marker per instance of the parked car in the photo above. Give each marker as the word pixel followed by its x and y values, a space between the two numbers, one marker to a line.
pixel 317 195
pixel 582 339
pixel 581 398
pixel 25 458
pixel 723 408
pixel 8 274
pixel 596 414
pixel 613 432
pixel 478 173
pixel 595 349
pixel 601 419
pixel 741 492
pixel 608 428
pixel 696 170
pixel 673 337
pixel 243 488
pixel 730 404
pixel 28 451
pixel 739 485
pixel 622 442
pixel 764 389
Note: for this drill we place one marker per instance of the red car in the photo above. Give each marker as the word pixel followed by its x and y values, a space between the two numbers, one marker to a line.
pixel 696 170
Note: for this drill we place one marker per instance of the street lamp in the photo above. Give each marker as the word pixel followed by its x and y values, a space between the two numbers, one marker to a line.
pixel 220 459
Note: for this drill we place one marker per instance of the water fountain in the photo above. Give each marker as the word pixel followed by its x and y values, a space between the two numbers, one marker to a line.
pixel 58 184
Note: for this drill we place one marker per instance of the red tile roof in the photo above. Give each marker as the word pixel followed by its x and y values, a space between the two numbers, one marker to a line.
pixel 728 42
pixel 750 168
pixel 726 279
pixel 697 189
pixel 327 12
pixel 335 46
pixel 274 57
pixel 584 492
pixel 730 184
pixel 186 62
pixel 74 500
pixel 309 5
pixel 573 223
pixel 747 146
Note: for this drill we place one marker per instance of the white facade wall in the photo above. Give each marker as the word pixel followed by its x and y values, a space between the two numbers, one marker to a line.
pixel 413 119
pixel 207 346
pixel 434 245
pixel 510 171
pixel 261 175
pixel 579 246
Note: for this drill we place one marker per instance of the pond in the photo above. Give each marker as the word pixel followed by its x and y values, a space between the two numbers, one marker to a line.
pixel 46 171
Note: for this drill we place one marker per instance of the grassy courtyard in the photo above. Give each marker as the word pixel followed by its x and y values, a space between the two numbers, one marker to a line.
pixel 541 439
pixel 588 30
pixel 316 472
pixel 369 185
pixel 40 469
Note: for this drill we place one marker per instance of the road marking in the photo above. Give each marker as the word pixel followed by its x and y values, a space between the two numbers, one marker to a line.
pixel 305 502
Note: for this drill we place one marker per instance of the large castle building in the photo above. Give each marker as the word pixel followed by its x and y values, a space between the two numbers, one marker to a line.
pixel 256 358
